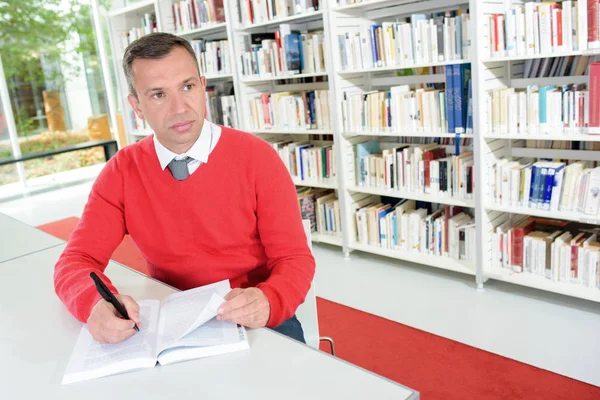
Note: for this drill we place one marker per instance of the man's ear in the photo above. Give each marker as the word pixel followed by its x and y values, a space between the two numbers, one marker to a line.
pixel 135 104
pixel 203 81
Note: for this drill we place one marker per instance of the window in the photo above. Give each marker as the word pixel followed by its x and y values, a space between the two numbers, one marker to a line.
pixel 55 85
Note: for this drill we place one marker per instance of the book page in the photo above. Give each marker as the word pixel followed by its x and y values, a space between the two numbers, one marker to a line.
pixel 182 313
pixel 234 339
pixel 91 359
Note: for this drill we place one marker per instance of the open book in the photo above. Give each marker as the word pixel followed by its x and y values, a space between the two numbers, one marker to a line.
pixel 181 327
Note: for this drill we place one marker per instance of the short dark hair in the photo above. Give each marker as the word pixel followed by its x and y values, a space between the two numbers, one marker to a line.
pixel 152 46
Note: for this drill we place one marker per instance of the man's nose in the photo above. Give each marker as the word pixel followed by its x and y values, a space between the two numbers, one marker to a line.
pixel 177 104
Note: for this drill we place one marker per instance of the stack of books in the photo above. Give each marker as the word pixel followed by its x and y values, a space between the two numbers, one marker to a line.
pixel 212 56
pixel 220 108
pixel 416 169
pixel 544 28
pixel 195 14
pixel 147 25
pixel 307 161
pixel 261 11
pixel 322 208
pixel 284 52
pixel 557 250
pixel 412 226
pixel 545 185
pixel 419 39
pixel 291 111
pixel 430 108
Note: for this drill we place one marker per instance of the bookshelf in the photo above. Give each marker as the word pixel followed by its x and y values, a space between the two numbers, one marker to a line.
pixel 348 20
pixel 498 71
pixel 487 144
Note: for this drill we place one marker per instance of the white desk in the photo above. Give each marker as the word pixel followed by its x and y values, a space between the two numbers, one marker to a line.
pixel 37 335
pixel 18 239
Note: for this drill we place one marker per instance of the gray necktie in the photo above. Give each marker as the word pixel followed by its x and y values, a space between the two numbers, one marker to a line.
pixel 179 168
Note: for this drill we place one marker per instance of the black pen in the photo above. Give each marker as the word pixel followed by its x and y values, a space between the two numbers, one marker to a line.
pixel 108 296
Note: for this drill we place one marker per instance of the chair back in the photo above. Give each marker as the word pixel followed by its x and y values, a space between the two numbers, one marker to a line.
pixel 307 311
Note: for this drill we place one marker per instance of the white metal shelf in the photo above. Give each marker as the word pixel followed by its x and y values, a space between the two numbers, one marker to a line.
pixel 442 262
pixel 411 134
pixel 362 5
pixel 584 155
pixel 135 7
pixel 549 55
pixel 575 137
pixel 542 283
pixel 391 80
pixel 277 21
pixel 408 6
pixel 205 30
pixel 522 83
pixel 281 131
pixel 534 212
pixel 280 77
pixel 330 184
pixel 335 240
pixel 216 77
pixel 412 196
pixel 399 67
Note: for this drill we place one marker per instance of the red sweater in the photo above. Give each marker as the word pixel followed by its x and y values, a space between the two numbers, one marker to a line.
pixel 236 218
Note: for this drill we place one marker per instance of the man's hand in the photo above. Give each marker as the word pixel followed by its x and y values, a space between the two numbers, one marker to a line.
pixel 247 307
pixel 105 324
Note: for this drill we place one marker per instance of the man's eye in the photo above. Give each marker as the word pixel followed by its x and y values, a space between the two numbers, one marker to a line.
pixel 188 87
pixel 158 95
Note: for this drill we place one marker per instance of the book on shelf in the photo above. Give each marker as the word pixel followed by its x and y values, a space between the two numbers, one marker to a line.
pixel 195 14
pixel 544 28
pixel 230 116
pixel 418 39
pixel 428 108
pixel 261 11
pixel 212 56
pixel 562 144
pixel 321 207
pixel 285 52
pixel 594 84
pixel 307 161
pixel 220 108
pixel 180 327
pixel 557 66
pixel 545 185
pixel 137 124
pixel 147 25
pixel 424 169
pixel 549 109
pixel 290 111
pixel 557 250
pixel 412 226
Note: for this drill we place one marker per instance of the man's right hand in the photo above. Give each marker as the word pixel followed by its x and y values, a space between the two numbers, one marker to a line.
pixel 105 324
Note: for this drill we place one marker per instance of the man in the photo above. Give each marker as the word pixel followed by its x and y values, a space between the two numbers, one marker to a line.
pixel 202 202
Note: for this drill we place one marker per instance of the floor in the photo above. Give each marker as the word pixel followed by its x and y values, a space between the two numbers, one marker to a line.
pixel 553 332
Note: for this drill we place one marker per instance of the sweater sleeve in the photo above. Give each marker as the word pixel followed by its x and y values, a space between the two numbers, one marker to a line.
pixel 99 232
pixel 282 234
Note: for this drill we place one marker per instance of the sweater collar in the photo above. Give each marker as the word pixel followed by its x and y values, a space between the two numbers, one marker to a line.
pixel 200 150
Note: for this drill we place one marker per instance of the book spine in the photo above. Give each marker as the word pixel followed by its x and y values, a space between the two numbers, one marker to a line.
pixel 450 98
pixel 458 77
pixel 594 96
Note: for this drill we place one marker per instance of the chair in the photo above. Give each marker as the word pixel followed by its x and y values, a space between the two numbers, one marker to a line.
pixel 307 311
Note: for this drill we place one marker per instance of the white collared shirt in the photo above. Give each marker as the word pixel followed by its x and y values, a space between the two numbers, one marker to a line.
pixel 199 151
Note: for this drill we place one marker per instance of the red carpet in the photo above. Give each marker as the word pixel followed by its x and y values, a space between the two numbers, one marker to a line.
pixel 439 368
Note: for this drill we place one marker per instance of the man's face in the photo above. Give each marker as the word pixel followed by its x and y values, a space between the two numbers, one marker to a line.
pixel 171 98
